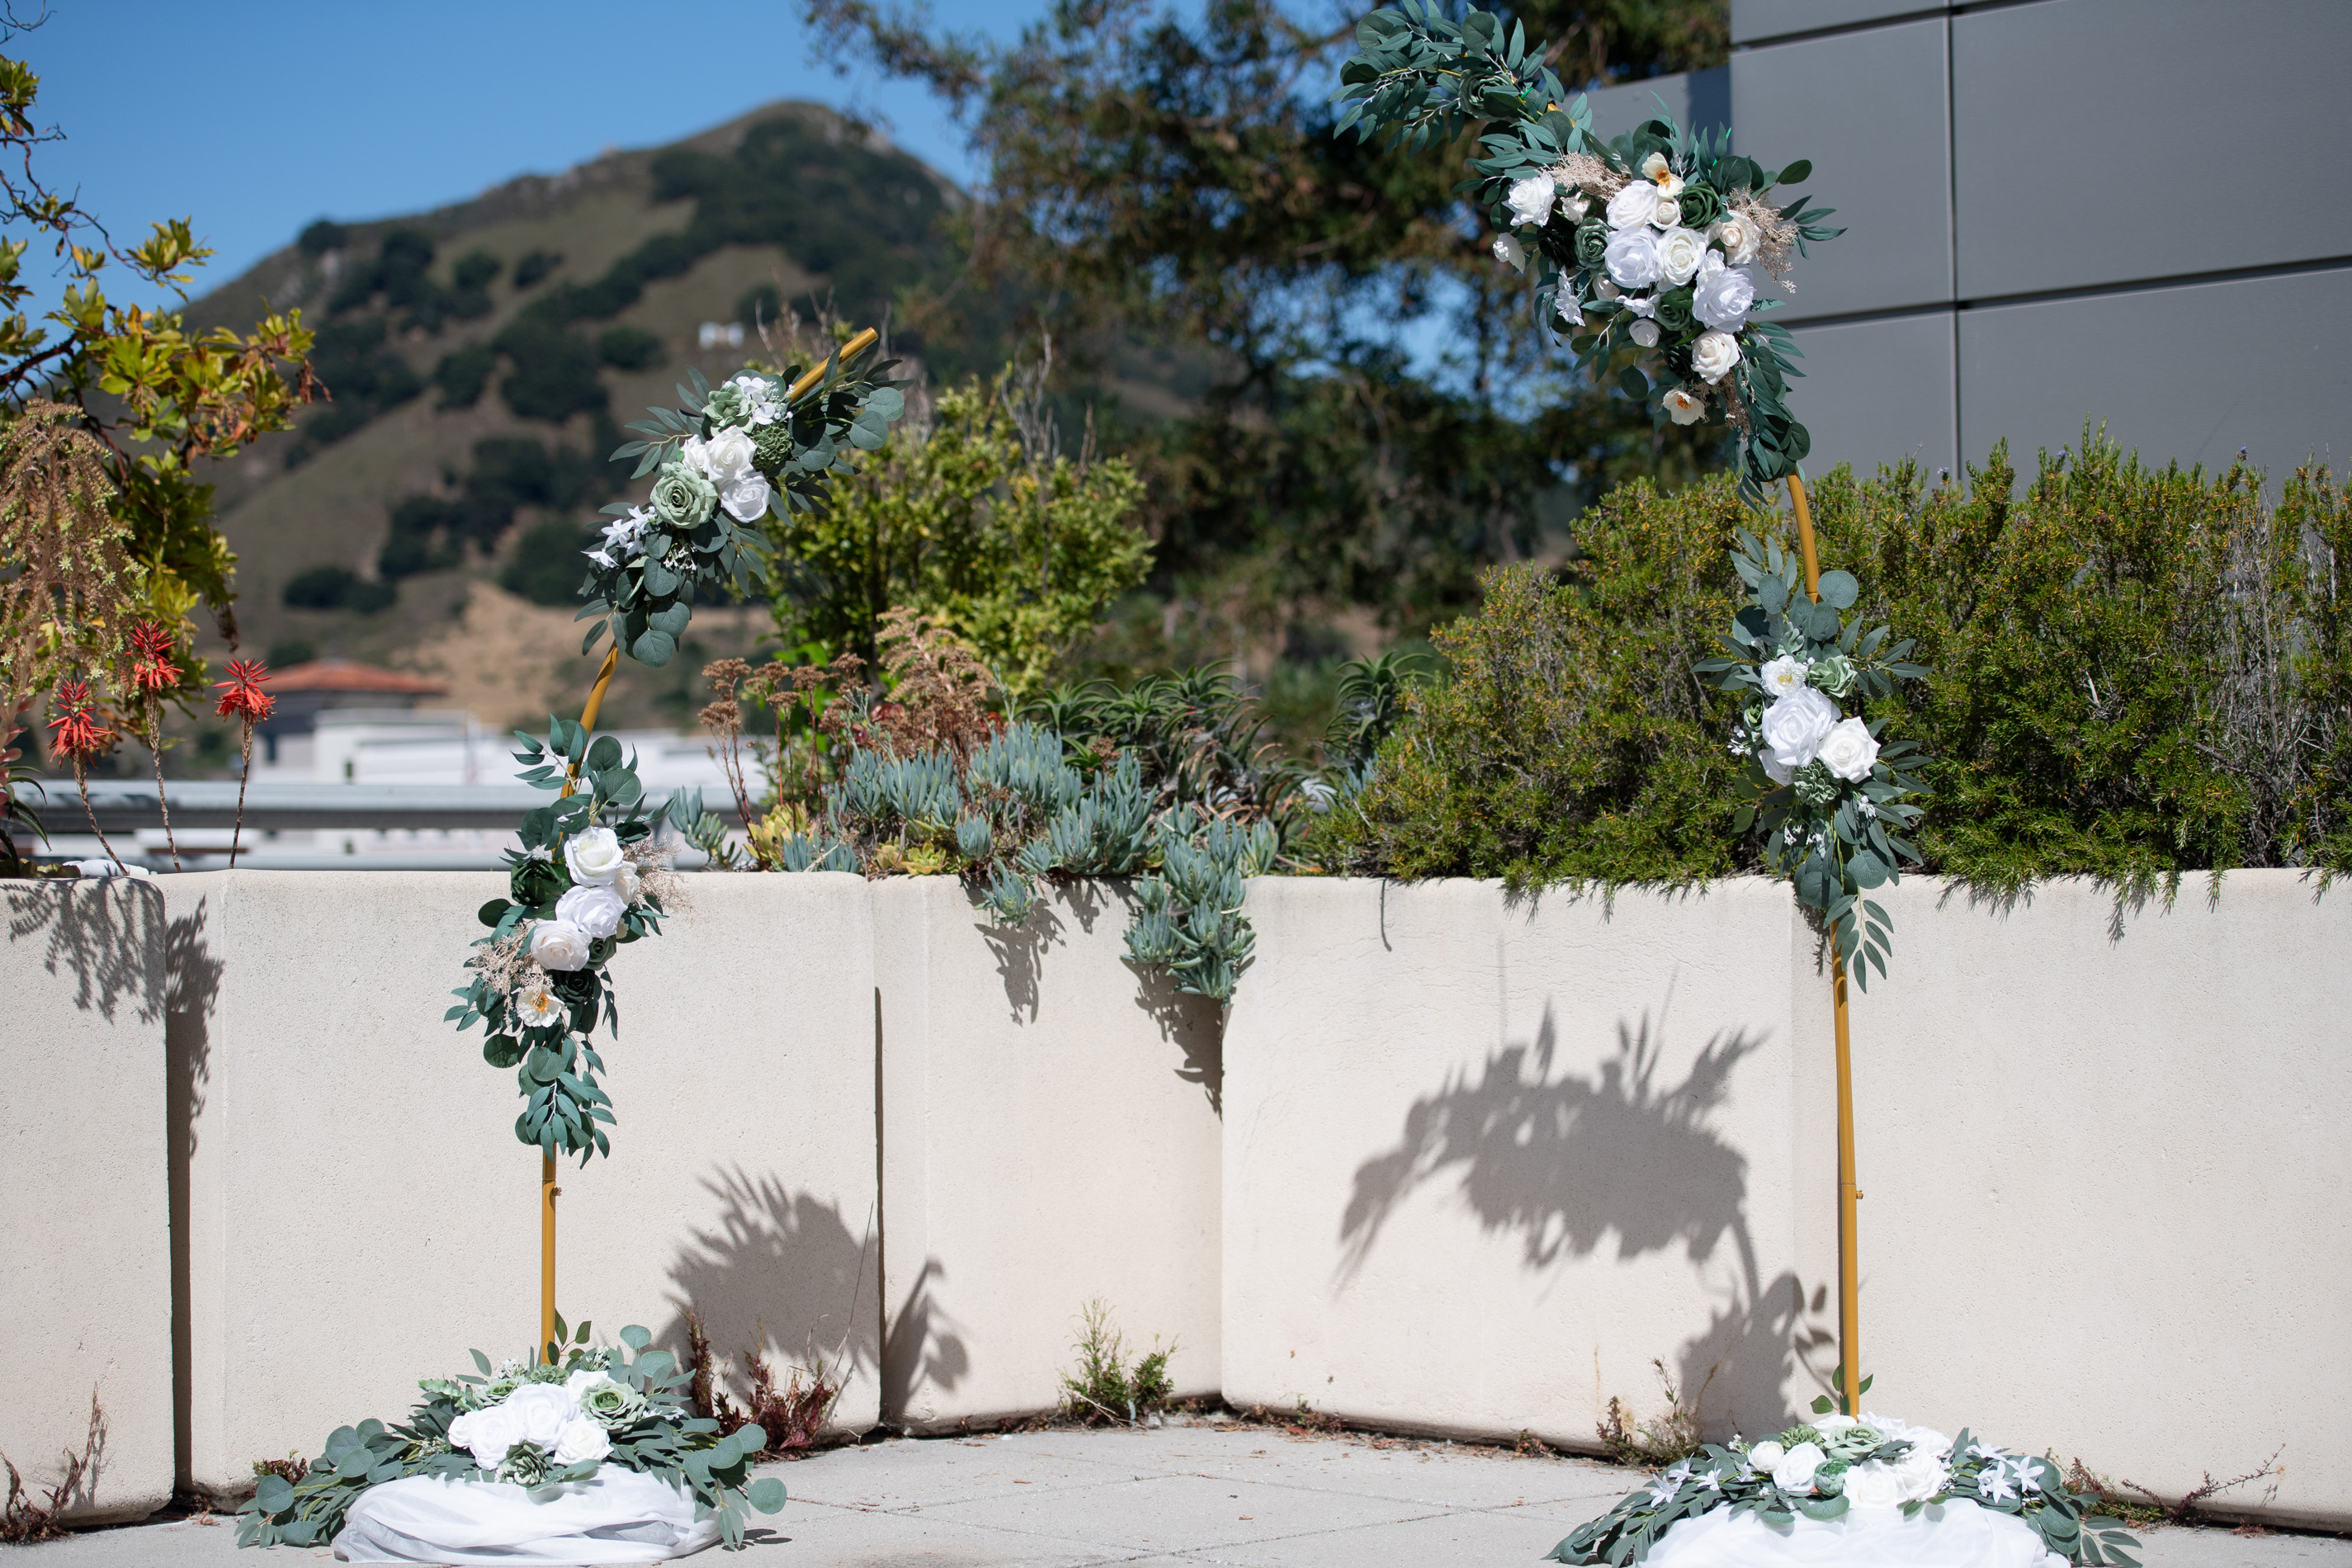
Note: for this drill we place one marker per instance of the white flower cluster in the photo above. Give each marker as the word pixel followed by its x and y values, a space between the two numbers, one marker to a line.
pixel 604 884
pixel 549 1415
pixel 1648 252
pixel 624 538
pixel 1917 1476
pixel 1802 726
pixel 725 460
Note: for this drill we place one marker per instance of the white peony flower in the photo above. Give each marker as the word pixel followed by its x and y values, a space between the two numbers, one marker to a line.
pixel 1794 728
pixel 1510 252
pixel 625 883
pixel 1781 677
pixel 1738 236
pixel 596 910
pixel 581 1442
pixel 558 945
pixel 1634 207
pixel 1680 250
pixel 1632 258
pixel 537 1007
pixel 1713 355
pixel 1794 1473
pixel 1645 333
pixel 746 498
pixel 1531 200
pixel 1849 751
pixel 593 857
pixel 1766 1455
pixel 1684 406
pixel 1723 295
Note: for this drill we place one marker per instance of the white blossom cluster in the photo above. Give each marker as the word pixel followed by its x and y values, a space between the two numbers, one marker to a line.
pixel 604 885
pixel 1797 1468
pixel 1802 725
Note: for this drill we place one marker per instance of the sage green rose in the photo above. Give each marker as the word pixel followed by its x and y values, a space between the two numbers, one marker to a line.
pixel 612 1405
pixel 683 498
pixel 1591 242
pixel 1674 311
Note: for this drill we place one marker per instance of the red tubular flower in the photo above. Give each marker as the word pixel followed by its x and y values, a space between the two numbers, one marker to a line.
pixel 154 673
pixel 78 732
pixel 241 693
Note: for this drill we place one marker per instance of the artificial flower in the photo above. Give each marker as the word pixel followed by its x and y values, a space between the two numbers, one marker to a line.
pixel 609 1405
pixel 1714 355
pixel 1766 1455
pixel 1736 233
pixel 1571 313
pixel 1531 200
pixel 593 907
pixel 1849 750
pixel 1782 675
pixel 582 1441
pixel 537 1007
pixel 1833 674
pixel 1684 406
pixel 1632 207
pixel 1661 175
pixel 1795 1471
pixel 1723 295
pixel 1680 251
pixel 1510 252
pixel 593 855
pixel 1632 258
pixel 558 945
pixel 625 883
pixel 1794 728
pixel 1591 243
pixel 760 403
pixel 1643 333
pixel 682 498
pixel 487 1434
pixel 1574 205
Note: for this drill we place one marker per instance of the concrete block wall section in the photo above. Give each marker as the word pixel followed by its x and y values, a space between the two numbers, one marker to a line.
pixel 1050 1135
pixel 358 1213
pixel 86 1291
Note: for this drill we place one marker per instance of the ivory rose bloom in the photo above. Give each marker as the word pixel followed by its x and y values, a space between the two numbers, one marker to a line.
pixel 1737 234
pixel 1645 333
pixel 1766 1455
pixel 627 884
pixel 581 1442
pixel 596 911
pixel 1632 258
pixel 593 857
pixel 1510 252
pixel 487 1434
pixel 1713 355
pixel 1723 295
pixel 558 945
pixel 1531 200
pixel 1848 751
pixel 1794 1473
pixel 1680 250
pixel 725 460
pixel 1685 407
pixel 1634 207
pixel 1794 729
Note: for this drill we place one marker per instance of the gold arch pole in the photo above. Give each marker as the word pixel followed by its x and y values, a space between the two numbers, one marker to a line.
pixel 1849 1216
pixel 548 1190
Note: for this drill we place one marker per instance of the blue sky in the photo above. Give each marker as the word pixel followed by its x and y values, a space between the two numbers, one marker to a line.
pixel 255 118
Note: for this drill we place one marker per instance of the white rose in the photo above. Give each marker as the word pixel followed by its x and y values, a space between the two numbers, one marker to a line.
pixel 542 1410
pixel 1645 333
pixel 596 911
pixel 593 857
pixel 1848 751
pixel 625 883
pixel 1634 207
pixel 1872 1484
pixel 1713 355
pixel 722 458
pixel 1668 214
pixel 1920 1474
pixel 1794 1473
pixel 1680 250
pixel 745 498
pixel 1684 406
pixel 1766 1455
pixel 487 1434
pixel 1531 200
pixel 1795 726
pixel 1781 677
pixel 1738 237
pixel 557 945
pixel 1829 1426
pixel 1723 296
pixel 1632 258
pixel 581 1442
pixel 1508 251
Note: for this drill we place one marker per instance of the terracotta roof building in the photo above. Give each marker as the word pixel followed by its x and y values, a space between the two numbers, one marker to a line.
pixel 305 690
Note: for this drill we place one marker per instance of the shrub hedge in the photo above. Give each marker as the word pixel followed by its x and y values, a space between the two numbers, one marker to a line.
pixel 2137 673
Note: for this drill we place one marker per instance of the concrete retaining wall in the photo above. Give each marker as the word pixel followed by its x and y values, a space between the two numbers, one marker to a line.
pixel 1453 1161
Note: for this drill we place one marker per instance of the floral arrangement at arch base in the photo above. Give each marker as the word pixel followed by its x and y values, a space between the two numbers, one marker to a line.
pixel 1836 1467
pixel 541 1424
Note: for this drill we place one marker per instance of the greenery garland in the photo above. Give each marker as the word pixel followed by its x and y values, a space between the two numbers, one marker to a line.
pixel 1824 1469
pixel 625 1410
pixel 1646 244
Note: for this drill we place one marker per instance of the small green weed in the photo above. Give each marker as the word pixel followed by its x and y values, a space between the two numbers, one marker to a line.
pixel 1104 1389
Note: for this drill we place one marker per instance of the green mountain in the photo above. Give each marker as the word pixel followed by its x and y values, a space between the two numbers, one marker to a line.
pixel 481 358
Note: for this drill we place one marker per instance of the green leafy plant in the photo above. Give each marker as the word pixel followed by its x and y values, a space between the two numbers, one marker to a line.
pixel 1105 1388
pixel 636 1395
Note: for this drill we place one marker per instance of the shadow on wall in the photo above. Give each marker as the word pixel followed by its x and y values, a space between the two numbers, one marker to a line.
pixel 103 940
pixel 191 998
pixel 1193 1025
pixel 779 1267
pixel 922 1349
pixel 1564 1162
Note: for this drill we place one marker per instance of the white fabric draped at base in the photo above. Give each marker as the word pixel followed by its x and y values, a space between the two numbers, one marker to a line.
pixel 1957 1534
pixel 619 1515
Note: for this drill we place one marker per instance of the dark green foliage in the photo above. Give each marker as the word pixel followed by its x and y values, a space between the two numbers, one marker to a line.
pixel 509 471
pixel 474 270
pixel 337 588
pixel 534 265
pixel 462 375
pixel 1571 740
pixel 289 651
pixel 361 376
pixel 554 374
pixel 549 565
pixel 400 272
pixel 1195 733
pixel 1371 705
pixel 761 306
pixel 628 348
pixel 322 236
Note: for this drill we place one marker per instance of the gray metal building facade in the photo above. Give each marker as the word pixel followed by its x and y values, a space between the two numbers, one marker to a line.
pixel 2133 211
